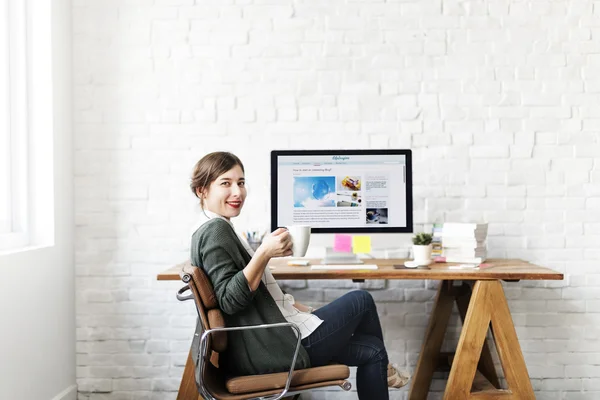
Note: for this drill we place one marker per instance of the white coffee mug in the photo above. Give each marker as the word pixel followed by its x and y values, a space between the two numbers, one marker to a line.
pixel 300 235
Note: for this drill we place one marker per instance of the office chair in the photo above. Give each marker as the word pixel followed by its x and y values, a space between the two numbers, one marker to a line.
pixel 210 339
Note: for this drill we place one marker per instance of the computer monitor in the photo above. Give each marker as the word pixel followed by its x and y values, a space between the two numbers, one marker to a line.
pixel 342 191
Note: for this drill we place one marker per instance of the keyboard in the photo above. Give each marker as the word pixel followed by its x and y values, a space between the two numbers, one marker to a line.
pixel 344 266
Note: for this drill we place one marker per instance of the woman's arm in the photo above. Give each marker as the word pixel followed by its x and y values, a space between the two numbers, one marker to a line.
pixel 235 289
pixel 215 248
pixel 255 268
pixel 276 244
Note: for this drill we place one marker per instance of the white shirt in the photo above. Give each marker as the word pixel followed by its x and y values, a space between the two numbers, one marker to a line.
pixel 306 322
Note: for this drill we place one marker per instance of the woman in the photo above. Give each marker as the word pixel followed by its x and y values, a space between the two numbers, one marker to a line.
pixel 347 330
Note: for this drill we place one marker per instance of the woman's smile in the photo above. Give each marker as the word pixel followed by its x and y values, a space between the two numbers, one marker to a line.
pixel 235 204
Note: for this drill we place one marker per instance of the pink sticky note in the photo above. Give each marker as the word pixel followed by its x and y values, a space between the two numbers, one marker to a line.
pixel 342 243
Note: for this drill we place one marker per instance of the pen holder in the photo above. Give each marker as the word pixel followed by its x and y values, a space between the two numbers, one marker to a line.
pixel 254 244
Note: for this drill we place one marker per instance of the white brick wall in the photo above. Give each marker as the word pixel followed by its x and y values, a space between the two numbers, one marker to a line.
pixel 498 100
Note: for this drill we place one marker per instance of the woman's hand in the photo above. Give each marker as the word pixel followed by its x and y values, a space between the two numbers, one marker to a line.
pixel 277 244
pixel 303 308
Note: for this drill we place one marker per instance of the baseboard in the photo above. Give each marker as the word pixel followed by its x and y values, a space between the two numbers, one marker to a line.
pixel 69 393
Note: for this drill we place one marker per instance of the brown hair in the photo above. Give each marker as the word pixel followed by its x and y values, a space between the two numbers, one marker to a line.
pixel 210 167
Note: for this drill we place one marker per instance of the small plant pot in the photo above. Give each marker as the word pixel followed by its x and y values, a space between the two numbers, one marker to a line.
pixel 422 254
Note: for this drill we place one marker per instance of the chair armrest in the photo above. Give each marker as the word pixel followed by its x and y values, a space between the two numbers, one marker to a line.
pixel 180 295
pixel 203 351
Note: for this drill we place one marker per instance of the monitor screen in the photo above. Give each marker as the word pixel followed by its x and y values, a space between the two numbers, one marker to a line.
pixel 342 191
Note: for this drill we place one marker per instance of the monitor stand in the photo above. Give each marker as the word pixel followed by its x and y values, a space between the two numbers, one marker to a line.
pixel 334 257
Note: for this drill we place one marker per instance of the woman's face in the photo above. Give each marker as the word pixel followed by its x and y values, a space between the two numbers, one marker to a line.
pixel 225 196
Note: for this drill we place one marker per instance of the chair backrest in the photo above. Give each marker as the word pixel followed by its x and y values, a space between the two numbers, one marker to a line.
pixel 213 378
pixel 206 304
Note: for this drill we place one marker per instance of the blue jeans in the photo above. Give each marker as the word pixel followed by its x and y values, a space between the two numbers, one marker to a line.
pixel 351 334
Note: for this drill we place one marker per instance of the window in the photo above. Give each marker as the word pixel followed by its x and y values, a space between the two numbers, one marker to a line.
pixel 5 203
pixel 13 117
pixel 25 123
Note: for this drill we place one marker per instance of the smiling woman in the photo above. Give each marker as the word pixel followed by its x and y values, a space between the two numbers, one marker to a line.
pixel 346 330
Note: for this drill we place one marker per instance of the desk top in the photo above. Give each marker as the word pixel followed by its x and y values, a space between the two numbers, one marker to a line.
pixel 508 269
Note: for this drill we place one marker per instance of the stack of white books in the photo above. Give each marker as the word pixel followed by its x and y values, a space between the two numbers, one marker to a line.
pixel 464 242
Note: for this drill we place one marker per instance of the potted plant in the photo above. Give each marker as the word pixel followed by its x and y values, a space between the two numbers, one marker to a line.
pixel 422 247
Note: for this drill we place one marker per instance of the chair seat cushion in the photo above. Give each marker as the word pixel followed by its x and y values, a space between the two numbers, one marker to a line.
pixel 256 383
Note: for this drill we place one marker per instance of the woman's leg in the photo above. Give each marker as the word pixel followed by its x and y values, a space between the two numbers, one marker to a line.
pixel 369 354
pixel 351 334
pixel 354 312
pixel 370 324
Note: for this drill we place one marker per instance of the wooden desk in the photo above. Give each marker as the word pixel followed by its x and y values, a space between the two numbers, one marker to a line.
pixel 481 303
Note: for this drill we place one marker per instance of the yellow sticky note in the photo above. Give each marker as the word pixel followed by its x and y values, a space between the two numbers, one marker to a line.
pixel 361 244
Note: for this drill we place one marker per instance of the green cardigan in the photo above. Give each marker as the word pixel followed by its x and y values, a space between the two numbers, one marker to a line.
pixel 217 249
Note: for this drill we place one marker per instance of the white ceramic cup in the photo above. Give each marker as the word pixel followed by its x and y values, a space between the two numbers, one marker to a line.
pixel 300 235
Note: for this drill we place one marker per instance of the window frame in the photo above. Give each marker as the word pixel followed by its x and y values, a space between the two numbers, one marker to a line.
pixel 30 134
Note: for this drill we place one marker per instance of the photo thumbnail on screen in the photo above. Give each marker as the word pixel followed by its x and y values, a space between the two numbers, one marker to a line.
pixel 314 191
pixel 377 216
